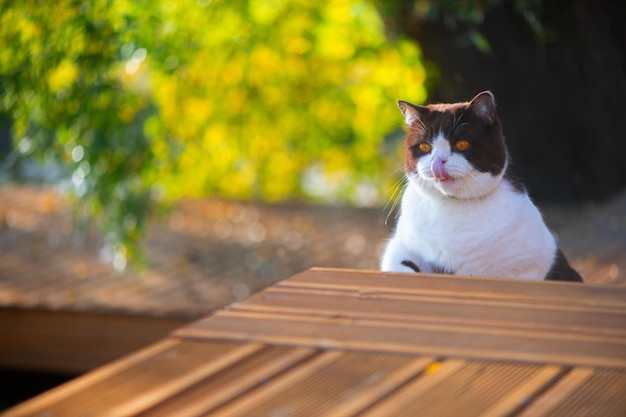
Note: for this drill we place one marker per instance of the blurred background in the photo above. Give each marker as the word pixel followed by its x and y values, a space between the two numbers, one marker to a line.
pixel 218 146
pixel 132 105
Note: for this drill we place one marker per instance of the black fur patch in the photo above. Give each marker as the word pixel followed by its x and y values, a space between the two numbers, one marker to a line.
pixel 411 265
pixel 435 268
pixel 561 270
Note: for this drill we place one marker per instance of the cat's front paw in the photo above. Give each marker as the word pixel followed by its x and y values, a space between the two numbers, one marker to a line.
pixel 405 266
pixel 411 265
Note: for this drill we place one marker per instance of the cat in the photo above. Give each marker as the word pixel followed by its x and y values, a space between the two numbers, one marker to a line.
pixel 464 211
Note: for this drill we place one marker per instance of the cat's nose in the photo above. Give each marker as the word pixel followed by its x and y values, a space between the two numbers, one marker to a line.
pixel 438 159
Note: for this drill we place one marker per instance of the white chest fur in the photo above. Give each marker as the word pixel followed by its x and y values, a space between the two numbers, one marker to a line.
pixel 502 235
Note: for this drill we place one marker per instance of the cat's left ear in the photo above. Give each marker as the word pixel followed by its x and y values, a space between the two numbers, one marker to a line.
pixel 483 105
pixel 411 112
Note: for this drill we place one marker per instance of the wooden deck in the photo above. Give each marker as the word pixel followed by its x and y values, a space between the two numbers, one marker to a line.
pixel 331 342
pixel 202 256
pixel 205 254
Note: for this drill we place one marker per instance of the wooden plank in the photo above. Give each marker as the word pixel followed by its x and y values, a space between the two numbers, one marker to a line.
pixel 603 393
pixel 65 391
pixel 236 380
pixel 414 337
pixel 331 381
pixel 444 297
pixel 522 394
pixel 246 405
pixel 137 382
pixel 544 405
pixel 392 404
pixel 399 318
pixel 160 392
pixel 370 395
pixel 536 317
pixel 466 388
pixel 372 282
pixel 74 342
pixel 332 309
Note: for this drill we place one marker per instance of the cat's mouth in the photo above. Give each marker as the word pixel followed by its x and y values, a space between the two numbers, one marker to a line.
pixel 438 169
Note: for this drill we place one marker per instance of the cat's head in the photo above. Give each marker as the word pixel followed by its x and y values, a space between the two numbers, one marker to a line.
pixel 455 150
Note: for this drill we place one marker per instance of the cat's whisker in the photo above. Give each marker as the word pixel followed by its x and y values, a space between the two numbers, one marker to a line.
pixel 497 167
pixel 455 124
pixel 395 171
pixel 462 124
pixel 394 209
pixel 394 198
pixel 459 118
pixel 394 193
pixel 475 189
pixel 423 125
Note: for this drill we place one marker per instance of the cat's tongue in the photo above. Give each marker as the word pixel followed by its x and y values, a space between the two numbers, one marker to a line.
pixel 439 170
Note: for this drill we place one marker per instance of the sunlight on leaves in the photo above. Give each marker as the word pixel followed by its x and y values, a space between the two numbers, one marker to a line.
pixel 154 101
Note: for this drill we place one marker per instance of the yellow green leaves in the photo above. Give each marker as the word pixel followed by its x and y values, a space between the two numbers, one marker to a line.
pixel 297 84
pixel 268 99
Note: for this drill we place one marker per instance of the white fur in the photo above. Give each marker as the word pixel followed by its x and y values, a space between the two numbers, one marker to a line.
pixel 477 224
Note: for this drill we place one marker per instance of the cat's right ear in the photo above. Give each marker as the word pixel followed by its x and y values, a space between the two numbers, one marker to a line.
pixel 410 111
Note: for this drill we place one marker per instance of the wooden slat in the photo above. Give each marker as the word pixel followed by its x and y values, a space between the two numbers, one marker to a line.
pixel 466 388
pixel 478 318
pixel 370 395
pixel 449 298
pixel 544 405
pixel 74 387
pixel 592 322
pixel 138 382
pixel 522 394
pixel 236 380
pixel 603 393
pixel 417 387
pixel 415 338
pixel 374 282
pixel 334 381
pixel 178 382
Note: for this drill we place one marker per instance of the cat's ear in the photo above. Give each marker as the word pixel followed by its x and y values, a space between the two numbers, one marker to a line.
pixel 411 113
pixel 483 105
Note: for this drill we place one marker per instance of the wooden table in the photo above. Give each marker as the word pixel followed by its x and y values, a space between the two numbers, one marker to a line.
pixel 345 343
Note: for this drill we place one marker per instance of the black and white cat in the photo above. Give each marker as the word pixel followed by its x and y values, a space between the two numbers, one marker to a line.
pixel 463 211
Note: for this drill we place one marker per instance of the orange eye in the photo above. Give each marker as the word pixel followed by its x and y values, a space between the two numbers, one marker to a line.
pixel 425 147
pixel 462 145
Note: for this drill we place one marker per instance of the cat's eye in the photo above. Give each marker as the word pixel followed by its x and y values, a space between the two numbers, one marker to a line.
pixel 425 147
pixel 462 145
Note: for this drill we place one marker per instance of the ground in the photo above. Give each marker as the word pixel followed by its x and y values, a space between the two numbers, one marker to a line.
pixel 208 253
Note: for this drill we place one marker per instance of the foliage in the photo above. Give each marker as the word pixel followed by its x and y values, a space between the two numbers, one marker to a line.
pixel 468 14
pixel 156 100
pixel 470 10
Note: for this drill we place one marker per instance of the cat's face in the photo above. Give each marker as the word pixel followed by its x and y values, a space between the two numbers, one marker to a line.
pixel 456 150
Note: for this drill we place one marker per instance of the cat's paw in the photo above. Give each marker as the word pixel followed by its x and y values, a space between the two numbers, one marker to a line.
pixel 402 268
pixel 411 265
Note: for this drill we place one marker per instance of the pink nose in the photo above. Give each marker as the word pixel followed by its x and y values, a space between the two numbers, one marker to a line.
pixel 438 168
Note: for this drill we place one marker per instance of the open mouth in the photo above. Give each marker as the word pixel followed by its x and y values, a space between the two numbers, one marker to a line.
pixel 444 179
